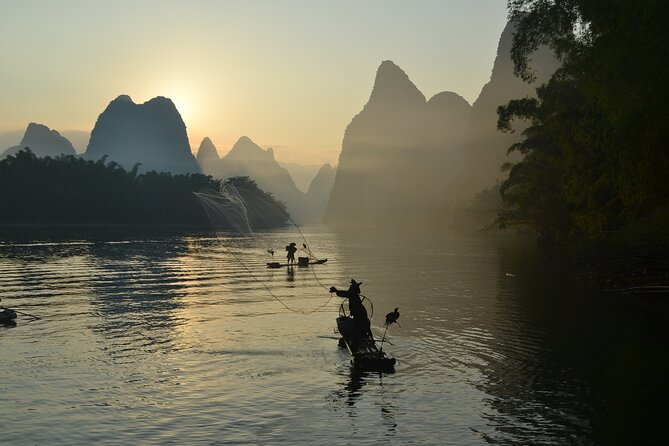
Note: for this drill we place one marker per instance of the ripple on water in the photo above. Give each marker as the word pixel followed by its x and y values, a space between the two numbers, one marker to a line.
pixel 172 340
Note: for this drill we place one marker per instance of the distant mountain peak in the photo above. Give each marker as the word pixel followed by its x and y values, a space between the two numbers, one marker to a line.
pixel 124 98
pixel 485 147
pixel 389 68
pixel 41 134
pixel 246 148
pixel 318 194
pixel 400 155
pixel 43 142
pixel 392 84
pixel 35 129
pixel 246 158
pixel 152 133
pixel 325 169
pixel 156 101
pixel 448 97
pixel 449 102
pixel 207 151
pixel 161 100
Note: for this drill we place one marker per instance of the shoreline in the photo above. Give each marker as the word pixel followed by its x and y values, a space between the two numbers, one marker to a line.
pixel 626 267
pixel 52 225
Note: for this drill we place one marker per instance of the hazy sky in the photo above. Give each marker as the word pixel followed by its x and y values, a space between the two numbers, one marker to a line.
pixel 289 74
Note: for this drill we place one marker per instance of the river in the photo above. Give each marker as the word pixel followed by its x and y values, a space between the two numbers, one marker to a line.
pixel 163 338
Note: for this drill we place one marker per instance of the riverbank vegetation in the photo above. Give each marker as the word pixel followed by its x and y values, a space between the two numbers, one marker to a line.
pixel 595 155
pixel 72 190
pixel 595 152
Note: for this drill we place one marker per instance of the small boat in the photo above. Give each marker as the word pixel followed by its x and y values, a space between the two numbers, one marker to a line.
pixel 301 262
pixel 365 355
pixel 7 316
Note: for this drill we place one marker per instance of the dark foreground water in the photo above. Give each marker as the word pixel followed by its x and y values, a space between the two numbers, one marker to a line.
pixel 164 339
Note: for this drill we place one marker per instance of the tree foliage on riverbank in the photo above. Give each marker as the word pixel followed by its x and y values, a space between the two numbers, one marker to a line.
pixel 595 153
pixel 71 190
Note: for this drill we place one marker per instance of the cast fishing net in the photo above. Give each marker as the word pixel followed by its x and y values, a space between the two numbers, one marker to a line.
pixel 240 208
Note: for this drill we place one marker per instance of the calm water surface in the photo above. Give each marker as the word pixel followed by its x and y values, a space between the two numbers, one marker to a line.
pixel 174 339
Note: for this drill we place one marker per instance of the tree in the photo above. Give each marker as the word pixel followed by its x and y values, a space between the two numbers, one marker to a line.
pixel 69 189
pixel 596 150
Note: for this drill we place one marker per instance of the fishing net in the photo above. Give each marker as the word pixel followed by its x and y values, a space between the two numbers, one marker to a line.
pixel 240 207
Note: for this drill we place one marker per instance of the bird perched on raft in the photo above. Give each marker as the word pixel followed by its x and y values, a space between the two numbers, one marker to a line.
pixel 392 317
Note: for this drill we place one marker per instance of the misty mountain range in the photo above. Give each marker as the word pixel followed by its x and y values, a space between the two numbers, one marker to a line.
pixel 78 139
pixel 246 158
pixel 403 157
pixel 43 142
pixel 408 159
pixel 485 148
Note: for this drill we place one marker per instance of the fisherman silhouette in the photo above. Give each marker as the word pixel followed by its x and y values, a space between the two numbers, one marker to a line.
pixel 291 252
pixel 361 324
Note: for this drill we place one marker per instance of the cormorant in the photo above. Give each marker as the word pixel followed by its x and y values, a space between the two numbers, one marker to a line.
pixel 392 316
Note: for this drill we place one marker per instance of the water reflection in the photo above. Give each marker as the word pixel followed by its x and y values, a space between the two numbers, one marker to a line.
pixel 549 355
pixel 564 353
pixel 533 394
pixel 137 314
pixel 359 385
pixel 357 380
pixel 496 345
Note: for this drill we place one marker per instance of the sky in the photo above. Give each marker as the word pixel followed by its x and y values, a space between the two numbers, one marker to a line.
pixel 289 74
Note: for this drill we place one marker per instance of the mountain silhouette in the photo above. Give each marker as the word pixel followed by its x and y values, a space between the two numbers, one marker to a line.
pixel 485 148
pixel 393 89
pixel 151 133
pixel 246 158
pixel 207 155
pixel 302 174
pixel 318 194
pixel 42 142
pixel 401 155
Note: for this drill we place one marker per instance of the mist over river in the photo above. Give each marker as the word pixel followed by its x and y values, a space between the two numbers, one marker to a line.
pixel 156 338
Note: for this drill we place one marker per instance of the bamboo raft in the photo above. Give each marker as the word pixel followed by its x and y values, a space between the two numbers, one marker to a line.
pixel 301 262
pixel 365 355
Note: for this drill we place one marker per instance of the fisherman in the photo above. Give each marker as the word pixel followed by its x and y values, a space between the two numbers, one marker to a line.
pixel 361 323
pixel 291 252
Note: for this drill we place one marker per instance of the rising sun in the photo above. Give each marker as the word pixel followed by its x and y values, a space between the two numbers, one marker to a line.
pixel 183 95
pixel 184 104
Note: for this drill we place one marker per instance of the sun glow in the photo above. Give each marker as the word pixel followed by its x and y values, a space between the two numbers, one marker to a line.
pixel 184 94
pixel 187 98
pixel 184 103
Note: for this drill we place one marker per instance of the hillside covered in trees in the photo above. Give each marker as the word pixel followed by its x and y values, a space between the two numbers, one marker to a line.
pixel 72 190
pixel 595 152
